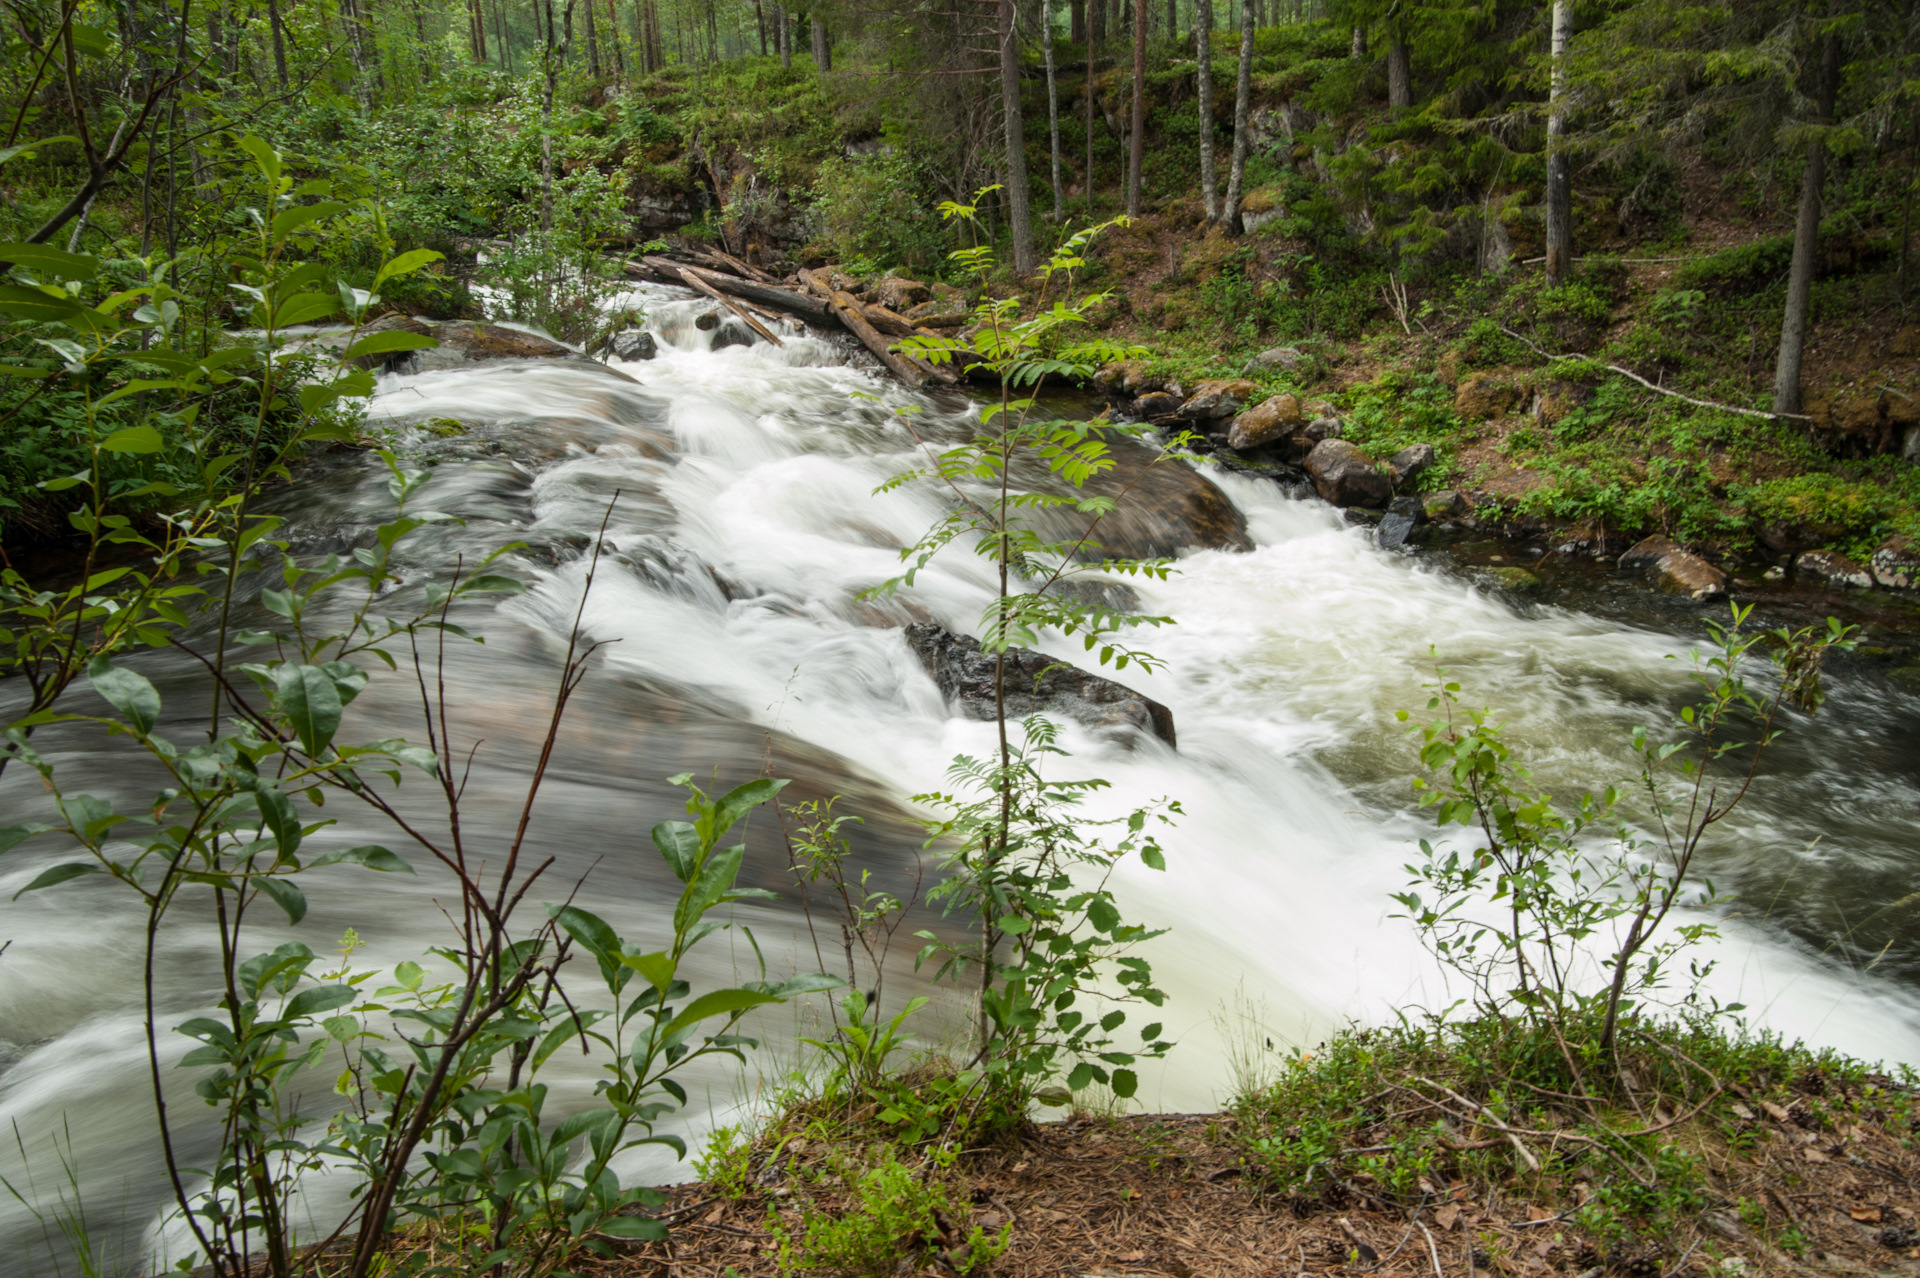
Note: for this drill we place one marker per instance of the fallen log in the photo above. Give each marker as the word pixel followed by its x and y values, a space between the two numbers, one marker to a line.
pixel 767 294
pixel 693 280
pixel 911 371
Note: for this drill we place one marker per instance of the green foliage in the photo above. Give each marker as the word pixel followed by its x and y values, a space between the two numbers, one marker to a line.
pixel 874 206
pixel 1513 915
pixel 893 1211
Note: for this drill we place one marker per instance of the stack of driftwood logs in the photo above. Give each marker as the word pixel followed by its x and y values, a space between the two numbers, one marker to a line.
pixel 750 293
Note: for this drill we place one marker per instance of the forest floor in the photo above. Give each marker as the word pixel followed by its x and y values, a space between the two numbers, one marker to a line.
pixel 1173 1195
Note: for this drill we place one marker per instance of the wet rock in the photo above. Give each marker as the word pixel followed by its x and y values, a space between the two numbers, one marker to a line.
pixel 899 294
pixel 1098 592
pixel 1401 524
pixel 631 344
pixel 1129 377
pixel 1670 568
pixel 1276 418
pixel 1034 683
pixel 1445 504
pixel 1829 568
pixel 1156 404
pixel 731 335
pixel 1284 359
pixel 1897 565
pixel 1345 476
pixel 1482 396
pixel 1216 398
pixel 464 343
pixel 1162 508
pixel 1325 426
pixel 1511 579
pixel 707 321
pixel 1407 465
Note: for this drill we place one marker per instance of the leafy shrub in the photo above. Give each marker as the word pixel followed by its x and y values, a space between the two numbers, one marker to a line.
pixel 894 1209
pixel 876 206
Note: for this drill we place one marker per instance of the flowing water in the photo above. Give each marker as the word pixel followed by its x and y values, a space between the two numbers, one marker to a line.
pixel 735 640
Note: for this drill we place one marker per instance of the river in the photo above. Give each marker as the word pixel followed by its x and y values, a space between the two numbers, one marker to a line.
pixel 735 639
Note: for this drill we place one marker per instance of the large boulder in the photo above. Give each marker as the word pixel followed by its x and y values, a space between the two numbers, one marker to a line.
pixel 1897 564
pixel 464 343
pixel 1407 465
pixel 1162 507
pixel 1034 683
pixel 1345 476
pixel 1675 570
pixel 1216 398
pixel 1275 419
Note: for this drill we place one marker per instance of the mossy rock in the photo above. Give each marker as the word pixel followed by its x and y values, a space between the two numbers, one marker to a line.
pixel 1511 579
pixel 444 427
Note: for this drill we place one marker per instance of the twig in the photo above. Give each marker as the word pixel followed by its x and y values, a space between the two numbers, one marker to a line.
pixel 1526 1155
pixel 1432 1251
pixel 1630 375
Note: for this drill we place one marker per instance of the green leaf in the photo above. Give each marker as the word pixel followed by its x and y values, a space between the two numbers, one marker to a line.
pixel 304 308
pixel 277 811
pixel 679 843
pixel 656 968
pixel 14 152
pixel 13 836
pixel 129 693
pixel 639 1228
pixel 406 264
pixel 391 340
pixel 284 894
pixel 1153 858
pixel 741 800
pixel 371 855
pixel 1102 914
pixel 58 874
pixel 290 220
pixel 33 304
pixel 311 702
pixel 134 439
pixel 264 156
pixel 44 259
pixel 1125 1083
pixel 321 998
pixel 718 1003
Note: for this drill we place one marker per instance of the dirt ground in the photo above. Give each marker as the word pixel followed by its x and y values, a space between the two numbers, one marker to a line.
pixel 1169 1195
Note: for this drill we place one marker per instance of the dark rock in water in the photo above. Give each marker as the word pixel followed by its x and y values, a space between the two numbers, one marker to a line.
pixel 707 321
pixel 1401 524
pixel 1170 508
pixel 1035 683
pixel 1674 570
pixel 1409 464
pixel 1345 476
pixel 631 344
pixel 731 335
pixel 464 343
pixel 1099 592
pixel 1394 531
pixel 1155 404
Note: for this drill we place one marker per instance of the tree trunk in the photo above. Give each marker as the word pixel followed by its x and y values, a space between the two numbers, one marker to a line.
pixel 1559 164
pixel 279 44
pixel 786 39
pixel 1400 75
pixel 822 50
pixel 1806 236
pixel 1137 143
pixel 593 45
pixel 1359 49
pixel 1203 54
pixel 1019 208
pixel 1077 20
pixel 760 22
pixel 1090 95
pixel 1053 109
pixel 1173 19
pixel 1242 129
pixel 1096 22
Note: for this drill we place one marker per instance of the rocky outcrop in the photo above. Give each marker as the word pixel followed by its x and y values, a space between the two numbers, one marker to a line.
pixel 1345 476
pixel 1284 359
pixel 1163 507
pixel 1407 465
pixel 1275 419
pixel 1897 565
pixel 1034 683
pixel 1830 568
pixel 1215 399
pixel 1670 568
